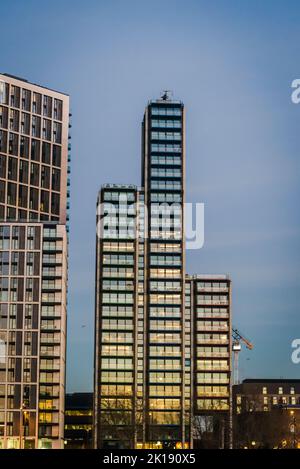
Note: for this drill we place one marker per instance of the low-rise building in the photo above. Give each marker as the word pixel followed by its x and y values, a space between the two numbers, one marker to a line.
pixel 78 420
pixel 266 413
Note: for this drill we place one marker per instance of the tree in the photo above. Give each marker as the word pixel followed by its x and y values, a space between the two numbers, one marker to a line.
pixel 121 421
pixel 210 429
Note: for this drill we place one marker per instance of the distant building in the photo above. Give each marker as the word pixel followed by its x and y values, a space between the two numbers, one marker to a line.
pixel 266 413
pixel 78 420
pixel 257 395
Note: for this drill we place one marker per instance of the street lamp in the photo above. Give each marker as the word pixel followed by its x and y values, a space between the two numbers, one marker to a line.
pixel 293 427
pixel 150 429
pixel 23 413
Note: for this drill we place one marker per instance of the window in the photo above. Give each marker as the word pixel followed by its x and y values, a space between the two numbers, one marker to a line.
pixel 46 130
pixel 36 126
pixel 165 160
pixel 36 103
pixel 166 136
pixel 165 111
pixel 3 92
pixel 55 179
pixel 172 123
pixel 26 98
pixel 23 194
pixel 56 157
pixel 212 404
pixel 24 147
pixel 58 109
pixel 46 148
pixel 12 168
pixel 13 144
pixel 11 194
pixel 165 148
pixel 44 203
pixel 3 117
pixel 13 120
pixel 167 173
pixel 34 199
pixel 264 390
pixel 55 201
pixel 47 106
pixel 34 174
pixel 56 132
pixel 35 150
pixel 280 390
pixel 14 96
pixel 3 141
pixel 23 171
pixel 45 177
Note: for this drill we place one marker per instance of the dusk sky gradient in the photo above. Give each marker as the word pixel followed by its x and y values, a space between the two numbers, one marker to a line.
pixel 232 64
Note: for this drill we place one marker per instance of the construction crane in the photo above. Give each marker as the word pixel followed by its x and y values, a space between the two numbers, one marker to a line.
pixel 238 338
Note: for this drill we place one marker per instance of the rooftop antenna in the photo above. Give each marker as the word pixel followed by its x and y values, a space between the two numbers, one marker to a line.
pixel 166 95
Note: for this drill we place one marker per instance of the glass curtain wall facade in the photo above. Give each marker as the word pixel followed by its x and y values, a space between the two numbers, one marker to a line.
pixel 33 271
pixel 34 157
pixel 146 323
pixel 34 146
pixel 115 397
pixel 209 301
pixel 163 180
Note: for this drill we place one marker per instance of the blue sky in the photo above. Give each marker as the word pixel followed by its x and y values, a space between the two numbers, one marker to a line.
pixel 232 63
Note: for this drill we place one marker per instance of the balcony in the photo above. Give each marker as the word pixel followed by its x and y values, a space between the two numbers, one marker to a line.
pixel 212 381
pixel 54 352
pixel 50 340
pixel 213 341
pixel 213 368
pixel 213 355
pixel 213 394
pixel 212 302
pixel 213 315
pixel 201 328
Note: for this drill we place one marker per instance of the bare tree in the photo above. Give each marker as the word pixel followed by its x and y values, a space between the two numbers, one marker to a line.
pixel 121 421
pixel 210 428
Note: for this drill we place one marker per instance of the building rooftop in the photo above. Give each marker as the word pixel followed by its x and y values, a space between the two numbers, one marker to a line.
pixel 165 98
pixel 118 186
pixel 79 400
pixel 271 380
pixel 31 83
pixel 207 277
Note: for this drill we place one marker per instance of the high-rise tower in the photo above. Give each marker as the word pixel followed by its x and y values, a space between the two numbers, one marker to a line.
pixel 164 267
pixel 148 385
pixel 34 146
